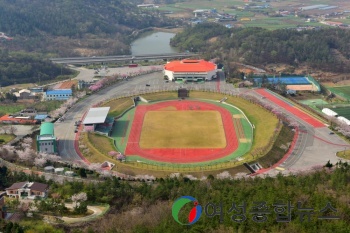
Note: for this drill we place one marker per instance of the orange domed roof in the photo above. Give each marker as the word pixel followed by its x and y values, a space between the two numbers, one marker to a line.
pixel 190 66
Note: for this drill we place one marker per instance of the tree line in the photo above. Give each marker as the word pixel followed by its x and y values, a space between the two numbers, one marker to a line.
pixel 325 49
pixel 319 193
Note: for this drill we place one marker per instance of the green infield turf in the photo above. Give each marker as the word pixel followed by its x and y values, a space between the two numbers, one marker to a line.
pixel 182 129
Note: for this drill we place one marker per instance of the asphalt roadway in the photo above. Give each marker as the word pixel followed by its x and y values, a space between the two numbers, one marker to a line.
pixel 315 146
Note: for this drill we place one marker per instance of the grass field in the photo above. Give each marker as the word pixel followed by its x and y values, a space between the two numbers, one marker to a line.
pixel 343 111
pixel 345 154
pixel 97 147
pixel 182 129
pixel 45 106
pixel 8 109
pixel 160 96
pixel 341 91
pixel 264 122
pixel 6 138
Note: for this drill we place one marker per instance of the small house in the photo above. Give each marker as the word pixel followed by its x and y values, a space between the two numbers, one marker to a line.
pixel 30 190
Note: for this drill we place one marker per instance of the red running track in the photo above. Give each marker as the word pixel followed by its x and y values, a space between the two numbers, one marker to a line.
pixel 178 155
pixel 296 112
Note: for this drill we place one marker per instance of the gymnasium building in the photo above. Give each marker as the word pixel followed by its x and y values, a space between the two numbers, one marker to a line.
pixel 189 70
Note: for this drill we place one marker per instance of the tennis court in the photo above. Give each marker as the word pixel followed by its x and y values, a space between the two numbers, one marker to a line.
pixel 290 80
pixel 311 102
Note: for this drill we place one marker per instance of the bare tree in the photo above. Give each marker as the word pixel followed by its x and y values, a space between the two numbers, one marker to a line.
pixel 6 128
pixel 13 129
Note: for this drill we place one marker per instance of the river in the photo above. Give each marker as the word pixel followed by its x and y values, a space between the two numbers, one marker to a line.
pixel 153 43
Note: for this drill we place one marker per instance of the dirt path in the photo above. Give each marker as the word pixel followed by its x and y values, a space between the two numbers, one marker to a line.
pixel 98 210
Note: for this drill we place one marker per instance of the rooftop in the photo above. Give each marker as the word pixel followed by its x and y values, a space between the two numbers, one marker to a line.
pixel 190 66
pixel 40 116
pixel 96 115
pixel 59 92
pixel 47 129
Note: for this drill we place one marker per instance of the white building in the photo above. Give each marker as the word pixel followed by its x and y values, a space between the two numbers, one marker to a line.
pixel 190 70
pixel 345 120
pixel 329 112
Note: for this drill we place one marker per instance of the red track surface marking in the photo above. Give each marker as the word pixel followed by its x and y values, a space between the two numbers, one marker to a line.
pixel 305 117
pixel 181 155
pixel 328 142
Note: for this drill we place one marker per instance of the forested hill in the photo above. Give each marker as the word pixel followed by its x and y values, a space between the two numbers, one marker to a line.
pixel 35 24
pixel 20 67
pixel 325 49
pixel 72 18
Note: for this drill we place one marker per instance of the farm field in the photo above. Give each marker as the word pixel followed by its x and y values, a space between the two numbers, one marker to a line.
pixel 261 14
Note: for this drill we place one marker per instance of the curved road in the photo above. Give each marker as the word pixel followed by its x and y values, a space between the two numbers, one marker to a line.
pixel 65 130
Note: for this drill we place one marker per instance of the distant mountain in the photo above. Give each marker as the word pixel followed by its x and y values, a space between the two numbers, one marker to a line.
pixel 41 25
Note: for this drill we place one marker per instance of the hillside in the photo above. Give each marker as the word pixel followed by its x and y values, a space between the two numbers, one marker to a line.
pixel 324 49
pixel 19 67
pixel 60 26
pixel 316 200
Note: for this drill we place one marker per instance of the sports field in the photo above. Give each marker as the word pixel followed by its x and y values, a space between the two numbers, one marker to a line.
pixel 341 91
pixel 343 111
pixel 183 132
pixel 295 80
pixel 182 129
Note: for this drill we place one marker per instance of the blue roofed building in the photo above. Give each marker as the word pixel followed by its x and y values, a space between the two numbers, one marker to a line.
pixel 60 94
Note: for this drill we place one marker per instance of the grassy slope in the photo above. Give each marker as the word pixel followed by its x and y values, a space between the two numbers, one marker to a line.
pixel 118 106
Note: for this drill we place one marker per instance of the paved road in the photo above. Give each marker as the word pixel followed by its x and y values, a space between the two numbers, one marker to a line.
pixel 315 146
pixel 121 58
